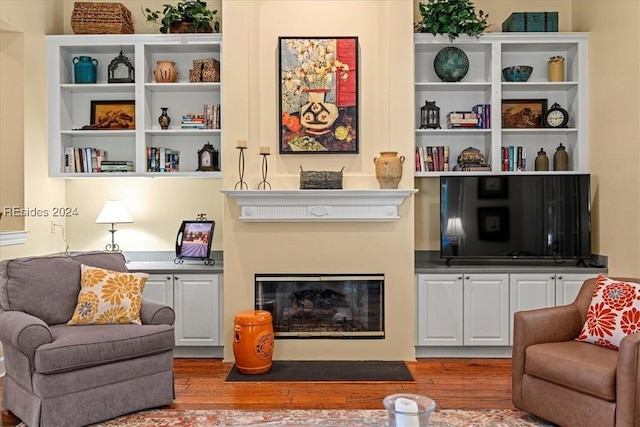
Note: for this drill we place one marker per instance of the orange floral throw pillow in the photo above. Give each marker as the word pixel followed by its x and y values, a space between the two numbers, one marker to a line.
pixel 613 314
pixel 108 297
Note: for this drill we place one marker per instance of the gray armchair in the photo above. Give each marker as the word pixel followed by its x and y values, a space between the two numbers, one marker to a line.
pixel 574 383
pixel 59 375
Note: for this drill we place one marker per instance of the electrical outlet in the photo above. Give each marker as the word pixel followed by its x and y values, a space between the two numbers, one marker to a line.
pixel 53 227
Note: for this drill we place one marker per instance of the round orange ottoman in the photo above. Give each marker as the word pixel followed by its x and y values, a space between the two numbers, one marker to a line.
pixel 253 341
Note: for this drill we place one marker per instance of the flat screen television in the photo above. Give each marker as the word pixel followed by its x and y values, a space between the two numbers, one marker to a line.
pixel 515 217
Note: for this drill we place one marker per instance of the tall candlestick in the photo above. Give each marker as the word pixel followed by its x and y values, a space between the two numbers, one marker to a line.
pixel 241 144
pixel 264 150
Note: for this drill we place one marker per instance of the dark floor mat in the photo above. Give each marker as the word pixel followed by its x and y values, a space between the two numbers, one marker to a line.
pixel 328 371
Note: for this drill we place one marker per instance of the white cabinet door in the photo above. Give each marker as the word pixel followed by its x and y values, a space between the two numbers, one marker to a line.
pixel 159 288
pixel 439 309
pixel 530 291
pixel 197 298
pixel 568 286
pixel 486 309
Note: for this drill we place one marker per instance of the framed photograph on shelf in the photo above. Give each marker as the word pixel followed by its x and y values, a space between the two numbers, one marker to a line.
pixel 108 115
pixel 493 187
pixel 493 223
pixel 318 95
pixel 523 113
pixel 194 239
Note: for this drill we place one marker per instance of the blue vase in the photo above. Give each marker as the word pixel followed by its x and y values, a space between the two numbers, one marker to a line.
pixel 85 69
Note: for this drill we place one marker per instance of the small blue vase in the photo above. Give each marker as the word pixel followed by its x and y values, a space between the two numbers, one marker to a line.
pixel 85 69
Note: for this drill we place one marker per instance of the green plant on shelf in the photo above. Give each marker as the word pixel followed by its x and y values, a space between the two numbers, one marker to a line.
pixel 451 17
pixel 191 12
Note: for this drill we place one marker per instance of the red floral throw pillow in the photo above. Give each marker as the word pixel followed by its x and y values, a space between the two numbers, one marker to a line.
pixel 613 314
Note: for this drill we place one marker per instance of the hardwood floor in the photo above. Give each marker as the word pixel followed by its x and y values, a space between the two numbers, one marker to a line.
pixel 452 383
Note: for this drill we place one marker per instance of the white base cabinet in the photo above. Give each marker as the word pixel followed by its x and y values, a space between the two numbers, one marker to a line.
pixel 196 301
pixel 463 309
pixel 458 310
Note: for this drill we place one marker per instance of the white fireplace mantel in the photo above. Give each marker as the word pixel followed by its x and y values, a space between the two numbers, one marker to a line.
pixel 319 205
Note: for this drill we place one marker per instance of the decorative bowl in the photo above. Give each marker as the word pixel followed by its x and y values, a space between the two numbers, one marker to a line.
pixel 517 73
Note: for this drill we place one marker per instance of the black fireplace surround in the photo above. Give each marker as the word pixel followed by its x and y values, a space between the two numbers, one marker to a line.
pixel 323 305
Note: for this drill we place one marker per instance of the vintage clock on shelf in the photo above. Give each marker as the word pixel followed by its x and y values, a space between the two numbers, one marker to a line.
pixel 556 117
pixel 208 159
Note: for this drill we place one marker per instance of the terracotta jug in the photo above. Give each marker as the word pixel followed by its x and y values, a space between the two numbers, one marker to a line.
pixel 165 72
pixel 388 169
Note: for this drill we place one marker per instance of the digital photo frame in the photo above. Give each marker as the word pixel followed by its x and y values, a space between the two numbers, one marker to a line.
pixel 194 240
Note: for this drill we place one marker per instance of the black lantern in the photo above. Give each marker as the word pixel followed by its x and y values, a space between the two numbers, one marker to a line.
pixel 115 75
pixel 430 116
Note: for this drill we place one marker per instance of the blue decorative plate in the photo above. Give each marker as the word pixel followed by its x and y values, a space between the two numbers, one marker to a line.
pixel 451 64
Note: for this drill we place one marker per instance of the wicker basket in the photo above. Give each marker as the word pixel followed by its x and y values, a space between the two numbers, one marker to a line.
pixel 101 18
pixel 320 180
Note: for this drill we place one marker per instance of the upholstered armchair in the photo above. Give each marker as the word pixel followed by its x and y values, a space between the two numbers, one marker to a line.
pixel 570 382
pixel 62 375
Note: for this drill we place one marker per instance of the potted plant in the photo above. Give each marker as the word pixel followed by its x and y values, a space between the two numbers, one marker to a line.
pixel 451 17
pixel 190 16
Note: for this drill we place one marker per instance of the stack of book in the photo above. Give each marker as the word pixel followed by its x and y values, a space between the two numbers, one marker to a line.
pixel 432 158
pixel 514 159
pixel 193 121
pixel 483 111
pixel 160 159
pixel 117 166
pixel 462 119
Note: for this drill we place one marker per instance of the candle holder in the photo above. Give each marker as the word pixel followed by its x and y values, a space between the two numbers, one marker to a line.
pixel 241 185
pixel 264 183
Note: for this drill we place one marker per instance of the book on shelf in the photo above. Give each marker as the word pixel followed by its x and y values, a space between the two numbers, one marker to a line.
pixel 483 112
pixel 83 160
pixel 161 159
pixel 432 158
pixel 514 158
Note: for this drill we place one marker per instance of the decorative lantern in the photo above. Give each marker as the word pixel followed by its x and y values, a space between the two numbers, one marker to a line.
pixel 430 116
pixel 115 70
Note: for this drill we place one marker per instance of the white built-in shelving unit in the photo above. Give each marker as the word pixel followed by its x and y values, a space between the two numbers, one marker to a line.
pixel 484 84
pixel 70 103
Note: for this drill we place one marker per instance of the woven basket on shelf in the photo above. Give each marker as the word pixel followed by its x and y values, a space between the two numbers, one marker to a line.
pixel 320 180
pixel 101 18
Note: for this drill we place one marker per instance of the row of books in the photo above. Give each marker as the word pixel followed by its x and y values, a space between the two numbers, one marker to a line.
pixel 160 159
pixel 85 160
pixel 514 158
pixel 209 119
pixel 432 158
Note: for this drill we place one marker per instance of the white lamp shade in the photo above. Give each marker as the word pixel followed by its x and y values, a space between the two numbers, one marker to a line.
pixel 113 212
pixel 454 228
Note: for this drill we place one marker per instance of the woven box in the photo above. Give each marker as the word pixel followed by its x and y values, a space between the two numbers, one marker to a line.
pixel 320 180
pixel 101 18
pixel 531 22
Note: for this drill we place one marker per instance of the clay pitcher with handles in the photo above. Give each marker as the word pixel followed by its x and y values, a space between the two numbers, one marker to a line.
pixel 388 169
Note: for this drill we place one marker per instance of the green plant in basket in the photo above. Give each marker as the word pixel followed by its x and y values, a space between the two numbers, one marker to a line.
pixel 192 12
pixel 451 17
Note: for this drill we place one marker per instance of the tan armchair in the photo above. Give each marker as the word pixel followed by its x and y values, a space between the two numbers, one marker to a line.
pixel 573 383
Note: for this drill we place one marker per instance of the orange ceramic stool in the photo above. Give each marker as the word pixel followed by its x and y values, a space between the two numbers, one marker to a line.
pixel 253 341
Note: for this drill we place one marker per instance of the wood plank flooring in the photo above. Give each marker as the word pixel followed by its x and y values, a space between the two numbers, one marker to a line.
pixel 452 383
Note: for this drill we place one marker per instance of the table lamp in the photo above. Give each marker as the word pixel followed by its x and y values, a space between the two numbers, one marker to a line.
pixel 455 232
pixel 113 212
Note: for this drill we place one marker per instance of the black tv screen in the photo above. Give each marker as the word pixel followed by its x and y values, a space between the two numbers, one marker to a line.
pixel 515 216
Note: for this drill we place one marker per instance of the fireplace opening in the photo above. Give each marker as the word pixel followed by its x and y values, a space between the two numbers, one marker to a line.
pixel 323 305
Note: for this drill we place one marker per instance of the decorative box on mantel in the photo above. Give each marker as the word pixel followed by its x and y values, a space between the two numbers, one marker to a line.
pixel 318 205
pixel 531 22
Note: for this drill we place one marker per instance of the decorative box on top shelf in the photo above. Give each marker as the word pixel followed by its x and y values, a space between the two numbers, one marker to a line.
pixel 531 22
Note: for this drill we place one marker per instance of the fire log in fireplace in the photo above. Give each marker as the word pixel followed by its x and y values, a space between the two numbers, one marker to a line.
pixel 323 305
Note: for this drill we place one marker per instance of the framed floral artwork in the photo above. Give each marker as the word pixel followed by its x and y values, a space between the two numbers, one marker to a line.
pixel 318 88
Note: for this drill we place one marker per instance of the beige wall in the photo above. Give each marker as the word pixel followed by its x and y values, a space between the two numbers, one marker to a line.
pixel 384 36
pixel 614 132
pixel 41 192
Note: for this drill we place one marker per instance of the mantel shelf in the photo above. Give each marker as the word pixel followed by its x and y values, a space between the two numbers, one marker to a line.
pixel 319 205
